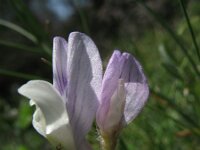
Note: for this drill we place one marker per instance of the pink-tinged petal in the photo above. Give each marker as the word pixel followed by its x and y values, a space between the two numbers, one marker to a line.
pixel 84 83
pixel 60 64
pixel 109 85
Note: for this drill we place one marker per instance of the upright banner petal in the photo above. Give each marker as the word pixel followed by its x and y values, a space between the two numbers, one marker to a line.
pixel 85 77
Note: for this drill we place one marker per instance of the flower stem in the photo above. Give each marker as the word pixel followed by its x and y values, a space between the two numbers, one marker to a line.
pixel 108 142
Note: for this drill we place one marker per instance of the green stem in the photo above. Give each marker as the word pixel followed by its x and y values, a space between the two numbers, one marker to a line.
pixel 108 142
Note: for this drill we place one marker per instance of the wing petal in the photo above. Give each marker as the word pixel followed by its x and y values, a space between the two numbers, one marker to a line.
pixel 51 107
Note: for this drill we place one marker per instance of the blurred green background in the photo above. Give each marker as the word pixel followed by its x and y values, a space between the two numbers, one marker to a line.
pixel 163 35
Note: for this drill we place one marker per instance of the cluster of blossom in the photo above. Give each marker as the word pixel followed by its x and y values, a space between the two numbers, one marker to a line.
pixel 65 110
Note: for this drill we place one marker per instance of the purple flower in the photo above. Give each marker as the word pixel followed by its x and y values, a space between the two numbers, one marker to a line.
pixel 124 93
pixel 65 110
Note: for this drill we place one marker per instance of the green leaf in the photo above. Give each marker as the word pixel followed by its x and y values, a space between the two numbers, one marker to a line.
pixel 25 115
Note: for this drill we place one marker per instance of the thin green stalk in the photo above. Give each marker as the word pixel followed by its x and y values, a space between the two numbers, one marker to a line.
pixel 84 21
pixel 18 74
pixel 19 46
pixel 46 49
pixel 173 105
pixel 196 131
pixel 18 29
pixel 172 34
pixel 26 17
pixel 190 28
pixel 82 17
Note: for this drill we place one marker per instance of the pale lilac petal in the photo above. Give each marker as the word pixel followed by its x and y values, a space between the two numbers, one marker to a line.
pixel 136 87
pixel 123 66
pixel 115 114
pixel 136 98
pixel 60 64
pixel 109 85
pixel 85 77
pixel 132 70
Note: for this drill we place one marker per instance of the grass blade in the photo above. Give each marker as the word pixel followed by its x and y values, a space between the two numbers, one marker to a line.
pixel 82 15
pixel 19 46
pixel 185 116
pixel 18 74
pixel 172 34
pixel 190 28
pixel 18 29
pixel 28 20
pixel 172 70
pixel 46 49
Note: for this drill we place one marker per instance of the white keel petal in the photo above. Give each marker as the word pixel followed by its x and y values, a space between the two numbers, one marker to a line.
pixel 39 121
pixel 49 108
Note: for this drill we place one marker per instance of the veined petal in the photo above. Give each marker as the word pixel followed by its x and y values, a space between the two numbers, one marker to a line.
pixel 113 119
pixel 60 64
pixel 85 77
pixel 123 66
pixel 136 97
pixel 109 85
pixel 132 70
pixel 137 89
pixel 52 108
